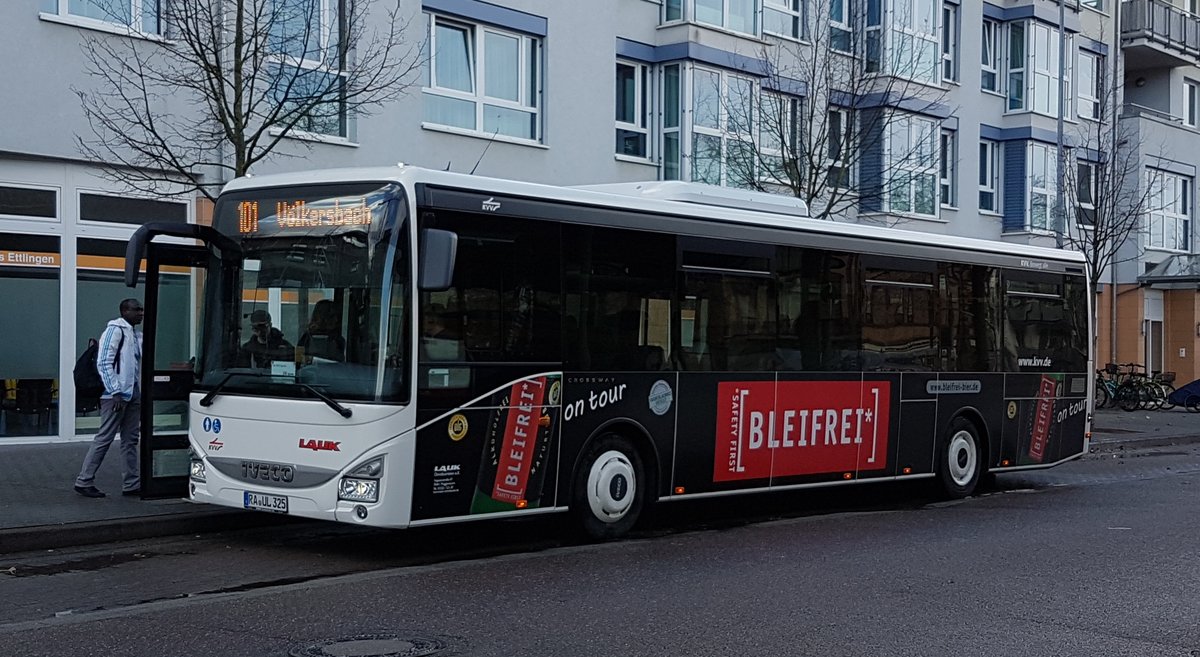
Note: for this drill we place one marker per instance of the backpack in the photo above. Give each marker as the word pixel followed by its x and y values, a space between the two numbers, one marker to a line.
pixel 88 384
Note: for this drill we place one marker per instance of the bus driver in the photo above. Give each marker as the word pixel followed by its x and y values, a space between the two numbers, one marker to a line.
pixel 266 344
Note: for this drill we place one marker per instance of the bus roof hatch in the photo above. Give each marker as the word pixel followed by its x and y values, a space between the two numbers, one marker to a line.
pixel 702 194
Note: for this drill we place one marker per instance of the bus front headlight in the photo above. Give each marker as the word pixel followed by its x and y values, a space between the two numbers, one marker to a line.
pixel 359 490
pixel 199 471
pixel 362 483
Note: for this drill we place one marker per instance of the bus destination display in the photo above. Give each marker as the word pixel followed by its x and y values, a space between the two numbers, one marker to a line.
pixel 303 215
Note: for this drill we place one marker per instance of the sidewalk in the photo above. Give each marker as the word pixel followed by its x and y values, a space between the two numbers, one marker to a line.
pixel 1112 427
pixel 39 510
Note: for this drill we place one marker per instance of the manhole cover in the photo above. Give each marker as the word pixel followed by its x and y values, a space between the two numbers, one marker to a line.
pixel 376 645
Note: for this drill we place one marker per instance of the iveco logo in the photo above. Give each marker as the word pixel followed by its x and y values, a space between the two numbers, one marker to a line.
pixel 267 471
pixel 491 205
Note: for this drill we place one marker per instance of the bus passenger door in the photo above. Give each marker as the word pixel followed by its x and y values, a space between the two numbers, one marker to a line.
pixel 175 276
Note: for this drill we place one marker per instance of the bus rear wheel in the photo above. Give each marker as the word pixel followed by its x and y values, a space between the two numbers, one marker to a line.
pixel 960 459
pixel 609 489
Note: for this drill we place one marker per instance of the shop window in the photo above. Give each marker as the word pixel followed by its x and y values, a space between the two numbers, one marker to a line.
pixel 26 202
pixel 29 281
pixel 124 210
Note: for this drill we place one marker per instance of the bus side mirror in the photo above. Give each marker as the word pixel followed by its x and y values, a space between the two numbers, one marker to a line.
pixel 438 250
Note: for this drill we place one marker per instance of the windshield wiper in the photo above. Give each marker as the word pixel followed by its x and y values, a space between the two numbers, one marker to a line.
pixel 207 400
pixel 342 410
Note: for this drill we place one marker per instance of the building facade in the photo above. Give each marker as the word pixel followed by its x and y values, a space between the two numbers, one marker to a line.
pixel 930 115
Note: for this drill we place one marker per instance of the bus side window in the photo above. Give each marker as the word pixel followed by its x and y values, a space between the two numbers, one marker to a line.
pixel 618 300
pixel 733 322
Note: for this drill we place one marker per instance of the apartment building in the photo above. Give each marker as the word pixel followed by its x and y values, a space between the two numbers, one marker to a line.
pixel 936 115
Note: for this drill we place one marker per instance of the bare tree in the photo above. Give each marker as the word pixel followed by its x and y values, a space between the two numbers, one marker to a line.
pixel 859 93
pixel 1112 192
pixel 230 80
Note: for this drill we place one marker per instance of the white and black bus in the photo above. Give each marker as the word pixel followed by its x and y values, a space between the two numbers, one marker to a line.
pixel 399 347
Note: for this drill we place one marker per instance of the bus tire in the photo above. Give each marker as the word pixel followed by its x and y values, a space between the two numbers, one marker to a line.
pixel 610 488
pixel 960 459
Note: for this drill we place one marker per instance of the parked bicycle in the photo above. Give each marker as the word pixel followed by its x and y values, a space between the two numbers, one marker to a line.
pixel 1106 386
pixel 1134 389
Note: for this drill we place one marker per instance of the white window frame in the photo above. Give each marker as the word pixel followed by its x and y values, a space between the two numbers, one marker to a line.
pixel 727 16
pixel 903 27
pixel 1091 86
pixel 989 174
pixel 792 10
pixel 1085 181
pixel 1038 77
pixel 1191 103
pixel 529 83
pixel 642 108
pixel 947 168
pixel 1045 186
pixel 839 22
pixel 326 31
pixel 838 170
pixel 918 164
pixel 672 143
pixel 771 146
pixel 1016 65
pixel 990 49
pixel 730 131
pixel 949 42
pixel 873 40
pixel 669 6
pixel 1169 216
pixel 137 10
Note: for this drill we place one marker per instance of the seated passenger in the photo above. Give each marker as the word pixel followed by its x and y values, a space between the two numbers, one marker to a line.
pixel 438 341
pixel 267 343
pixel 323 339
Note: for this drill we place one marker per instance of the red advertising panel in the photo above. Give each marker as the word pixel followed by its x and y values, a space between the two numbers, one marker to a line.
pixel 767 429
pixel 1043 416
pixel 520 439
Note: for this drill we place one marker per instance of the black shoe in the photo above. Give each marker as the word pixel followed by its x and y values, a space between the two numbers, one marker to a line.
pixel 89 491
pixel 132 493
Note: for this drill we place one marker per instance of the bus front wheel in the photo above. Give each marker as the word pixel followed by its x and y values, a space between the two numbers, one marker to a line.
pixel 960 459
pixel 609 489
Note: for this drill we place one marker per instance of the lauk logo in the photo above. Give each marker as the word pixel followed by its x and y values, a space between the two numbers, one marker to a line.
pixel 319 445
pixel 765 429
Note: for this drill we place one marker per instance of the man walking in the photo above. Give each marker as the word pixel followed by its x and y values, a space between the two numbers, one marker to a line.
pixel 119 364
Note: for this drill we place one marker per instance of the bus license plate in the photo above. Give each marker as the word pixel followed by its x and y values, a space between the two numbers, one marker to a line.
pixel 265 502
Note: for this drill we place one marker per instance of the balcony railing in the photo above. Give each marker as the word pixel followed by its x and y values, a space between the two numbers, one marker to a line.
pixel 1134 111
pixel 1162 23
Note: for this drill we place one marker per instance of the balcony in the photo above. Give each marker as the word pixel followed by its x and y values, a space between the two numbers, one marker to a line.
pixel 1155 34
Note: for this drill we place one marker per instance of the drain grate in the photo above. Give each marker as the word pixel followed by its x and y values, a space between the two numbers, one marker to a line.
pixel 380 645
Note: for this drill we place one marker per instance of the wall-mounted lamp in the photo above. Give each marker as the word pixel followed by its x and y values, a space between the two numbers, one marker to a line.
pixel 1198 330
pixel 1140 82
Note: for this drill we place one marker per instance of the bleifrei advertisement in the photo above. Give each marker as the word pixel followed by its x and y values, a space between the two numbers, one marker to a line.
pixel 776 429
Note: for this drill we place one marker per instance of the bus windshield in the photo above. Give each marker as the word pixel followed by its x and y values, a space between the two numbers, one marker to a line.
pixel 316 307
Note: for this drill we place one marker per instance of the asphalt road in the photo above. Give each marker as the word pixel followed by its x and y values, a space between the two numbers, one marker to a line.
pixel 1097 557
